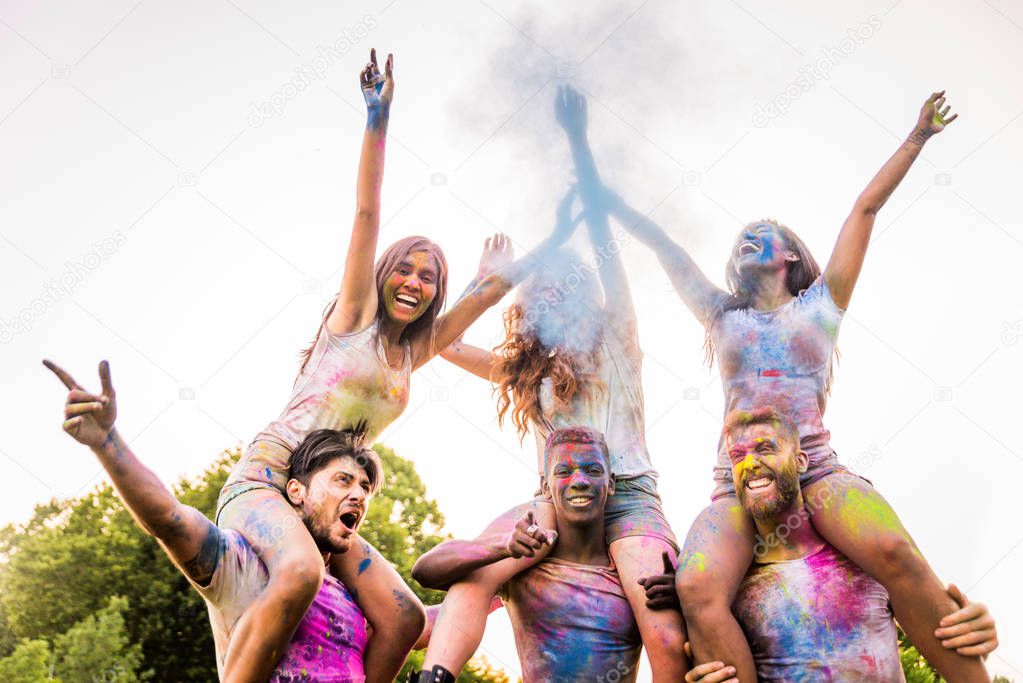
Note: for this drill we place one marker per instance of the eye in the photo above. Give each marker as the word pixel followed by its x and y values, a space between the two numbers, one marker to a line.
pixel 596 470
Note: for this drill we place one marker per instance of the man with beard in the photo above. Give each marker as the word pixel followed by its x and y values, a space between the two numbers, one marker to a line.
pixel 332 476
pixel 808 612
pixel 571 618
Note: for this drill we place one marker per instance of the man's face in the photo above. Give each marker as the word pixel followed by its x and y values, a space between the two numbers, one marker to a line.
pixel 765 469
pixel 579 482
pixel 334 503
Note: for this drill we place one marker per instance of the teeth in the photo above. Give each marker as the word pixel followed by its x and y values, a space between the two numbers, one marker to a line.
pixel 406 300
pixel 758 483
pixel 747 248
pixel 579 499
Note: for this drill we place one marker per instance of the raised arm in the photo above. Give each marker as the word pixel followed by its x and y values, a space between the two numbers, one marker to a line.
pixel 570 111
pixel 192 541
pixel 356 303
pixel 843 268
pixel 451 561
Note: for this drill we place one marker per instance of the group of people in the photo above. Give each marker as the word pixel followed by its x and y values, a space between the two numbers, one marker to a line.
pixel 793 572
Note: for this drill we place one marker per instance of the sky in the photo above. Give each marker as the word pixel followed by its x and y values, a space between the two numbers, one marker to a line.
pixel 174 205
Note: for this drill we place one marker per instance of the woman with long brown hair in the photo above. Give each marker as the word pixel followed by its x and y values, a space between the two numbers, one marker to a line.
pixel 570 358
pixel 773 334
pixel 384 323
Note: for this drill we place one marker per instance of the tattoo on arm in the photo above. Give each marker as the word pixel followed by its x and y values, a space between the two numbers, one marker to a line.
pixel 201 567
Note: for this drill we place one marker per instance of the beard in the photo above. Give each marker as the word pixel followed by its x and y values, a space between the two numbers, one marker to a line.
pixel 322 535
pixel 786 486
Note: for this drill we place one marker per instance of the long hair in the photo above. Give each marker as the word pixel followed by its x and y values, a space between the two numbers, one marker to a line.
pixel 423 326
pixel 800 275
pixel 525 358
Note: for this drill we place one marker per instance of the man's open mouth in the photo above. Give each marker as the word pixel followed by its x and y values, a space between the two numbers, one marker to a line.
pixel 761 481
pixel 350 519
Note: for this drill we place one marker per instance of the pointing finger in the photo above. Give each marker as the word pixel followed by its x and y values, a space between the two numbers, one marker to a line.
pixel 62 375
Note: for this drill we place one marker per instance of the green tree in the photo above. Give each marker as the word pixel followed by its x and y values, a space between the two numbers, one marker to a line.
pixel 76 554
pixel 28 663
pixel 98 648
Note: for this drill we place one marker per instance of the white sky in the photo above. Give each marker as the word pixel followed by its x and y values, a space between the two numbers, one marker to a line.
pixel 131 122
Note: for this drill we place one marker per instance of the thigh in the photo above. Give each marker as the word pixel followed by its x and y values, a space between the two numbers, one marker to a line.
pixel 272 527
pixel 635 511
pixel 719 547
pixel 636 557
pixel 264 464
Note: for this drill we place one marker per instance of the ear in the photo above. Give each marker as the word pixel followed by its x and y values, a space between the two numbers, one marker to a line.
pixel 296 491
pixel 802 461
pixel 792 257
pixel 544 488
pixel 611 485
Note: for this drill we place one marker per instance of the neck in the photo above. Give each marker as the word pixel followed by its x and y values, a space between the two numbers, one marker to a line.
pixel 770 291
pixel 787 535
pixel 391 332
pixel 582 543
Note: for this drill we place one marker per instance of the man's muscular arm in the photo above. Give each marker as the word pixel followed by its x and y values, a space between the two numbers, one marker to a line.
pixel 192 542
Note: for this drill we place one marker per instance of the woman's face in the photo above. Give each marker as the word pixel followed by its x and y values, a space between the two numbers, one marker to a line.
pixel 411 287
pixel 761 246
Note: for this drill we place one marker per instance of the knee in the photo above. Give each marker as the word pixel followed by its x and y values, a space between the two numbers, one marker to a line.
pixel 297 580
pixel 898 556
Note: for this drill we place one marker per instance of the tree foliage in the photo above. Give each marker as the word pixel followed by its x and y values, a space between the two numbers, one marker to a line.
pixel 68 574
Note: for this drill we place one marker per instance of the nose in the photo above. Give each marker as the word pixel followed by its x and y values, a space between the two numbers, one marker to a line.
pixel 579 482
pixel 357 495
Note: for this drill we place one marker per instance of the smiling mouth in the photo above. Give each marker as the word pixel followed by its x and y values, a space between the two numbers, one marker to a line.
pixel 748 248
pixel 406 301
pixel 758 483
pixel 579 501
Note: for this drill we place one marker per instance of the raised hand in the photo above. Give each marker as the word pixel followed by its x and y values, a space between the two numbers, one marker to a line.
pixel 570 110
pixel 970 629
pixel 376 88
pixel 528 537
pixel 934 115
pixel 497 253
pixel 89 418
pixel 660 589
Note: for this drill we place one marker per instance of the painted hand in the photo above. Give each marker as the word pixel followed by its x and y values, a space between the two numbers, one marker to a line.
pixel 933 116
pixel 88 418
pixel 660 589
pixel 527 537
pixel 711 672
pixel 497 253
pixel 376 88
pixel 970 629
pixel 570 110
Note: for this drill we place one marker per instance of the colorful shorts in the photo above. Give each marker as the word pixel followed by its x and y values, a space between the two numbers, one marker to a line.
pixel 634 510
pixel 264 465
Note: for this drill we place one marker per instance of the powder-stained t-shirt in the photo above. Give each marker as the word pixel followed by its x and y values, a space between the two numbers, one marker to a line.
pixel 615 409
pixel 330 640
pixel 818 619
pixel 780 358
pixel 346 380
pixel 572 623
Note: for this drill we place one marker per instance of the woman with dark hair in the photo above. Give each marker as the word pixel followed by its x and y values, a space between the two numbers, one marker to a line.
pixel 384 323
pixel 570 358
pixel 774 333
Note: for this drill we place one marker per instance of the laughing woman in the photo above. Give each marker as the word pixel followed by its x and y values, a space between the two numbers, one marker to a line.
pixel 774 335
pixel 571 357
pixel 384 323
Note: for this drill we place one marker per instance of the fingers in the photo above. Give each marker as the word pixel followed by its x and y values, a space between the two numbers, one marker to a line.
pixel 687 648
pixel 373 58
pixel 62 375
pixel 73 425
pixel 951 119
pixel 669 568
pixel 72 409
pixel 104 378
pixel 971 638
pixel 389 66
pixel 961 616
pixel 711 672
